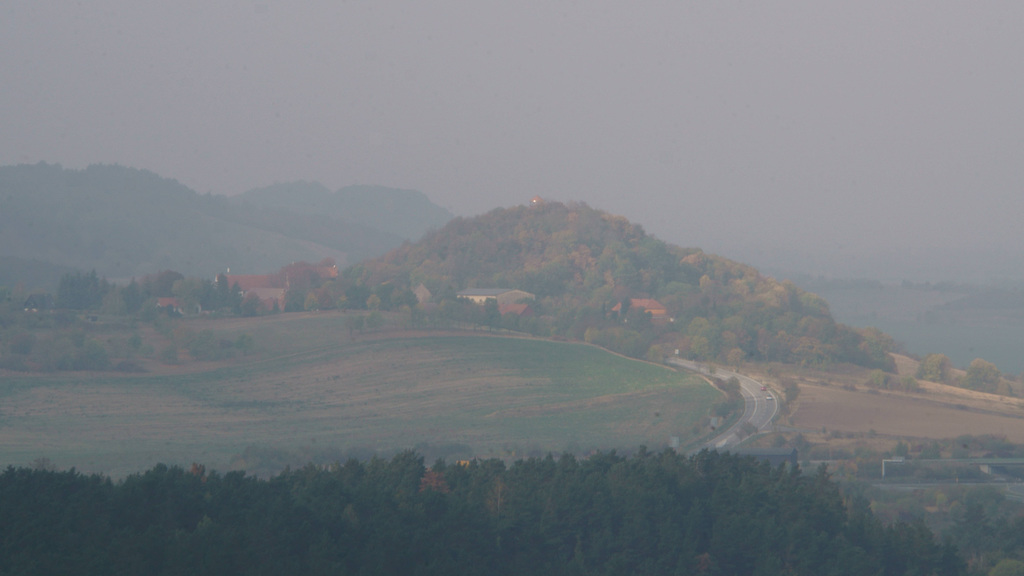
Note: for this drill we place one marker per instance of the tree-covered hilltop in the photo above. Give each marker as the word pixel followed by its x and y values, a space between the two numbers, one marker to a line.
pixel 581 263
pixel 652 513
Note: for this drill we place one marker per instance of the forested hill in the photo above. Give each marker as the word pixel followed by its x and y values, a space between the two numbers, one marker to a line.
pixel 581 263
pixel 124 222
pixel 650 514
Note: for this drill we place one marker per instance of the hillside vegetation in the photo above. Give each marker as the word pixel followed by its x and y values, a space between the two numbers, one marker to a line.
pixel 124 222
pixel 581 263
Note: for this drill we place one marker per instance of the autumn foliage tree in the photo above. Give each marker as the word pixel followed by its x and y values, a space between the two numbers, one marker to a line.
pixel 982 375
pixel 935 368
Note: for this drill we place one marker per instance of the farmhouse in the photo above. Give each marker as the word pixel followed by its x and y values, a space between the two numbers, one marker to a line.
pixel 326 271
pixel 271 288
pixel 262 286
pixel 521 309
pixel 247 282
pixel 174 305
pixel 658 312
pixel 39 301
pixel 504 296
pixel 269 297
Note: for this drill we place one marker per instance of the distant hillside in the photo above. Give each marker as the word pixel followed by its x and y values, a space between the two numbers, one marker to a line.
pixel 962 321
pixel 124 222
pixel 405 213
pixel 581 263
pixel 29 274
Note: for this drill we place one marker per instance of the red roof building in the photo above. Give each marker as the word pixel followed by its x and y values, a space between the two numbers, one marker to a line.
pixel 521 309
pixel 247 282
pixel 269 296
pixel 648 304
pixel 175 304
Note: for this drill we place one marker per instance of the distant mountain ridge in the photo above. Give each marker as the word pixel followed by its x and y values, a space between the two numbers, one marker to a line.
pixel 126 222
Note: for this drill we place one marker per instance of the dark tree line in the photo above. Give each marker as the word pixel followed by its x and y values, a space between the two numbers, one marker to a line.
pixel 87 291
pixel 647 514
pixel 82 291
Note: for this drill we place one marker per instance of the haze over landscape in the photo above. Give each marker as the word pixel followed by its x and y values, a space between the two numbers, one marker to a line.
pixel 865 140
pixel 526 288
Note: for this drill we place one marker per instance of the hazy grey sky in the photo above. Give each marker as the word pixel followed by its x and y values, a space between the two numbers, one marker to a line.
pixel 832 137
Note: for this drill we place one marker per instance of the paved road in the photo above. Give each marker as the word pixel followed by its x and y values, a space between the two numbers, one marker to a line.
pixel 757 409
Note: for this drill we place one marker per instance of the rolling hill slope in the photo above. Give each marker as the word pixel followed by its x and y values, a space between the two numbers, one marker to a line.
pixel 314 392
pixel 585 265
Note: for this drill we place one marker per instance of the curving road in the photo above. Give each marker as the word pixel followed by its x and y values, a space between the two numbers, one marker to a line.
pixel 757 409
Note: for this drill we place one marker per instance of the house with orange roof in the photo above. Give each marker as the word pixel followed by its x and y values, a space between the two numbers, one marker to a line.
pixel 264 286
pixel 521 309
pixel 657 311
pixel 327 271
pixel 247 282
pixel 171 304
pixel 269 297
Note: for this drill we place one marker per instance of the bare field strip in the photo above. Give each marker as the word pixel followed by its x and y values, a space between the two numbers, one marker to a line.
pixel 938 412
pixel 494 396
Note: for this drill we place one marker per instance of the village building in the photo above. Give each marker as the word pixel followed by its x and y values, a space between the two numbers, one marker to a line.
pixel 39 301
pixel 656 309
pixel 521 309
pixel 247 282
pixel 260 285
pixel 326 272
pixel 504 296
pixel 171 304
pixel 269 297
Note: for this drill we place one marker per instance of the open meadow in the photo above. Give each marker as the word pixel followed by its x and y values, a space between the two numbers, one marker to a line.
pixel 311 391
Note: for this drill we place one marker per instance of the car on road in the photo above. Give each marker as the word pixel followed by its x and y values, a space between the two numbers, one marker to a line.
pixel 768 397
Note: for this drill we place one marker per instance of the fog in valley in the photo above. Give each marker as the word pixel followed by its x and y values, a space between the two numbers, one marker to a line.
pixel 278 294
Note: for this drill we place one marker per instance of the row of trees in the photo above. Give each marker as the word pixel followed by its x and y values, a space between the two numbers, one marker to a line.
pixel 647 514
pixel 980 375
pixel 65 339
pixel 86 291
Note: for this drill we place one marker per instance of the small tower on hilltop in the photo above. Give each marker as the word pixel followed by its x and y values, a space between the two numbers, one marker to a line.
pixel 536 201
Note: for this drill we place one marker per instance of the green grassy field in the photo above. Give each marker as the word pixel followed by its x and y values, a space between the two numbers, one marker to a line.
pixel 315 394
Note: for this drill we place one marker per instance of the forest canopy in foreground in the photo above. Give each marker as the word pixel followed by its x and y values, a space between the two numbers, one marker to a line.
pixel 652 513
